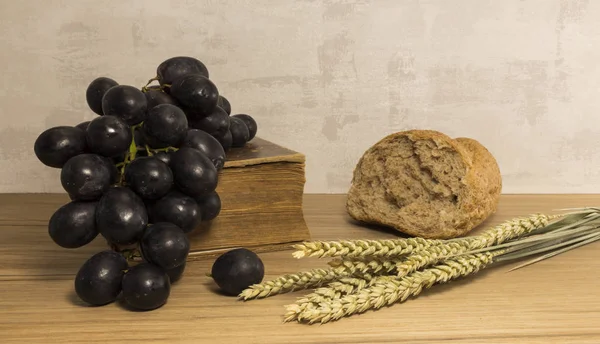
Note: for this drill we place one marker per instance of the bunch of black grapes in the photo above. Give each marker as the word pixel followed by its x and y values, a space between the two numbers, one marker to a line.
pixel 142 174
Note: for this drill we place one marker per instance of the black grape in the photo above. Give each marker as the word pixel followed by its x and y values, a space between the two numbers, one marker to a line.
pixel 176 208
pixel 121 216
pixel 73 225
pixel 216 124
pixel 165 126
pixel 176 273
pixel 239 132
pixel 207 144
pixel 237 270
pixel 83 125
pixel 96 90
pixel 149 177
pixel 226 141
pixel 108 136
pixel 55 146
pixel 210 206
pixel 98 281
pixel 196 93
pixel 126 102
pixel 175 67
pixel 163 156
pixel 114 173
pixel 146 287
pixel 165 245
pixel 224 104
pixel 141 152
pixel 193 172
pixel 155 96
pixel 86 176
pixel 250 123
pixel 138 137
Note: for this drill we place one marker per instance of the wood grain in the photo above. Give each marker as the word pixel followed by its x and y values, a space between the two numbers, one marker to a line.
pixel 554 301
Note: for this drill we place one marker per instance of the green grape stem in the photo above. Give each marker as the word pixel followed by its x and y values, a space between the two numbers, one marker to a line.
pixel 133 151
pixel 145 87
pixel 149 151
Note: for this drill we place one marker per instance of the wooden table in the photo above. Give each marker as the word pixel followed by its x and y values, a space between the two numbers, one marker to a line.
pixel 554 301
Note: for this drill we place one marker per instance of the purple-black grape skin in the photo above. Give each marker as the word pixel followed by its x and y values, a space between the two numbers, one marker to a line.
pixel 175 67
pixel 86 176
pixel 56 145
pixel 196 93
pixel 126 102
pixel 216 123
pixel 239 132
pixel 121 216
pixel 193 172
pixel 138 137
pixel 166 126
pixel 108 136
pixel 146 287
pixel 250 123
pixel 83 125
pixel 96 91
pixel 73 224
pixel 236 270
pixel 176 208
pixel 226 141
pixel 176 273
pixel 98 281
pixel 207 144
pixel 149 177
pixel 155 96
pixel 210 206
pixel 114 173
pixel 163 156
pixel 165 245
pixel 224 104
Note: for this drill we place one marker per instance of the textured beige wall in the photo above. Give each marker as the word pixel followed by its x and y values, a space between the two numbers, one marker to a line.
pixel 327 77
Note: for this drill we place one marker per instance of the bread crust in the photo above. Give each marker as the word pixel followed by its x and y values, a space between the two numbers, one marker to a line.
pixel 480 190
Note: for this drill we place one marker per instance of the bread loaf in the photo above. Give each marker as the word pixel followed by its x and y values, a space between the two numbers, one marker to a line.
pixel 426 184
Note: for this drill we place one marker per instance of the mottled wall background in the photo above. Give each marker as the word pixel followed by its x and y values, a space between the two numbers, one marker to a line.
pixel 326 77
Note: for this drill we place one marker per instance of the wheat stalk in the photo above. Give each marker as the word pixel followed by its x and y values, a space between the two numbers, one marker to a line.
pixel 495 235
pixel 362 248
pixel 386 291
pixel 401 247
pixel 317 277
pixel 351 296
pixel 375 273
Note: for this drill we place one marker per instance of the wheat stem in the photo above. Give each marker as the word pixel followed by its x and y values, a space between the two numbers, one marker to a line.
pixel 387 291
pixel 401 247
pixel 317 277
pixel 501 233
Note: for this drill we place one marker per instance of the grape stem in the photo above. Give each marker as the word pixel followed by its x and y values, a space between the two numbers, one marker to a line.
pixel 130 254
pixel 145 88
pixel 132 153
pixel 150 153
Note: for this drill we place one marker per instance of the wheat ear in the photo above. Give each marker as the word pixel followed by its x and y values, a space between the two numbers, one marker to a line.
pixel 508 230
pixel 334 290
pixel 362 248
pixel 317 277
pixel 495 235
pixel 388 291
pixel 399 247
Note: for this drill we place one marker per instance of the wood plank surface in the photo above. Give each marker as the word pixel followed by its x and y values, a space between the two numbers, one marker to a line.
pixel 554 301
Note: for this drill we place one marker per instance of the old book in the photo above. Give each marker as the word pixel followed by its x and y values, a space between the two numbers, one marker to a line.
pixel 261 189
